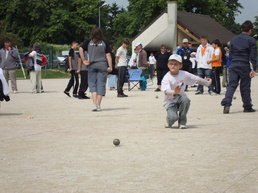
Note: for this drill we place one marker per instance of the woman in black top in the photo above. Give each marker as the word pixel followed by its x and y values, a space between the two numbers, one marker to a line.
pixel 161 64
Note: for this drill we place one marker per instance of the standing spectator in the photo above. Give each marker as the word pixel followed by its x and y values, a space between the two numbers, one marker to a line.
pixel 8 58
pixel 74 70
pixel 142 57
pixel 203 54
pixel 112 76
pixel 98 60
pixel 133 60
pixel 185 53
pixel 161 64
pixel 242 54
pixel 121 65
pixel 193 60
pixel 35 73
pixel 152 62
pixel 216 66
pixel 84 79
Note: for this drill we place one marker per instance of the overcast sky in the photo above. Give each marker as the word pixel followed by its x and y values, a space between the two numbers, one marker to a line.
pixel 248 13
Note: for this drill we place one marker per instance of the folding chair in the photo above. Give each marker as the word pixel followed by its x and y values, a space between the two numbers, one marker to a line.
pixel 134 78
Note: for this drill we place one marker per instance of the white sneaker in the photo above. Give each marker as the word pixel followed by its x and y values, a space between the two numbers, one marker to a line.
pixel 98 108
pixel 15 92
pixel 182 127
pixel 94 108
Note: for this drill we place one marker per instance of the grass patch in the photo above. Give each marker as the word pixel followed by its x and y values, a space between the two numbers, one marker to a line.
pixel 45 74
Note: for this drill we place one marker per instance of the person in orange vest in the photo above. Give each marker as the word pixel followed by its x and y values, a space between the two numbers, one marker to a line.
pixel 216 67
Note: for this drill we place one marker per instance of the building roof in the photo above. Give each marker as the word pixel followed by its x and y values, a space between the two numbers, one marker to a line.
pixel 200 25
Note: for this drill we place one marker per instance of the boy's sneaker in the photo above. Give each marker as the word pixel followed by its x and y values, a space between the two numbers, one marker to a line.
pixel 182 127
pixel 94 108
pixel 157 90
pixel 249 110
pixel 67 93
pixel 226 110
pixel 198 92
pixel 168 125
pixel 75 95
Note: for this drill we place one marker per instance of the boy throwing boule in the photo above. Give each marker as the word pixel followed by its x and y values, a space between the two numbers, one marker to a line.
pixel 173 85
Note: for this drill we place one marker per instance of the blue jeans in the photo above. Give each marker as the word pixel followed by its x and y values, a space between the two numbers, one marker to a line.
pixel 177 111
pixel 204 73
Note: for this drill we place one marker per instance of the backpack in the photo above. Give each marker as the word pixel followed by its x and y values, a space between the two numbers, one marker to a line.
pixel 41 59
pixel 28 61
pixel 30 64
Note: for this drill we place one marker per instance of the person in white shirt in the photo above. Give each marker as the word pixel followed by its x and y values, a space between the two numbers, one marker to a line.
pixel 35 74
pixel 152 62
pixel 121 65
pixel 173 85
pixel 133 60
pixel 204 54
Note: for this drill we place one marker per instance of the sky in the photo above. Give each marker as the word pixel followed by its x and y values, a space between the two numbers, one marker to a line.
pixel 248 13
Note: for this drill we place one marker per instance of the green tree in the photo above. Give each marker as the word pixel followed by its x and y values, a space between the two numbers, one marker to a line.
pixel 255 30
pixel 54 21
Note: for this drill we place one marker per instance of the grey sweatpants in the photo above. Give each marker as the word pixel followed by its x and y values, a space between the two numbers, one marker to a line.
pixel 97 81
pixel 177 111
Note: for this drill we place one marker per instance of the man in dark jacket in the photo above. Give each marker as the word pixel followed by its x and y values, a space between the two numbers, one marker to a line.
pixel 243 65
pixel 8 58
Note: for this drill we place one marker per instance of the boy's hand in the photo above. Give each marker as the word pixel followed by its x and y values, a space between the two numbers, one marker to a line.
pixel 252 74
pixel 177 90
pixel 209 79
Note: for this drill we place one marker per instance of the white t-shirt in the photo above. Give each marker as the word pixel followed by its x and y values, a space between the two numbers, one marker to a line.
pixel 183 78
pixel 152 60
pixel 36 66
pixel 202 59
pixel 216 52
pixel 133 57
pixel 121 53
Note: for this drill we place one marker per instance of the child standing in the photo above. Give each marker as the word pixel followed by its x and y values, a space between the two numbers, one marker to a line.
pixel 74 70
pixel 173 85
pixel 216 66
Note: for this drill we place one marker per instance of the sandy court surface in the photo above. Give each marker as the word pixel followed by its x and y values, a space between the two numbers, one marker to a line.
pixel 52 143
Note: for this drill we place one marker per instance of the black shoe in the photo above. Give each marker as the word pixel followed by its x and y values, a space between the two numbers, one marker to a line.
pixel 75 95
pixel 67 93
pixel 249 110
pixel 121 95
pixel 226 110
pixel 6 98
pixel 125 95
pixel 83 97
pixel 198 92
pixel 157 90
